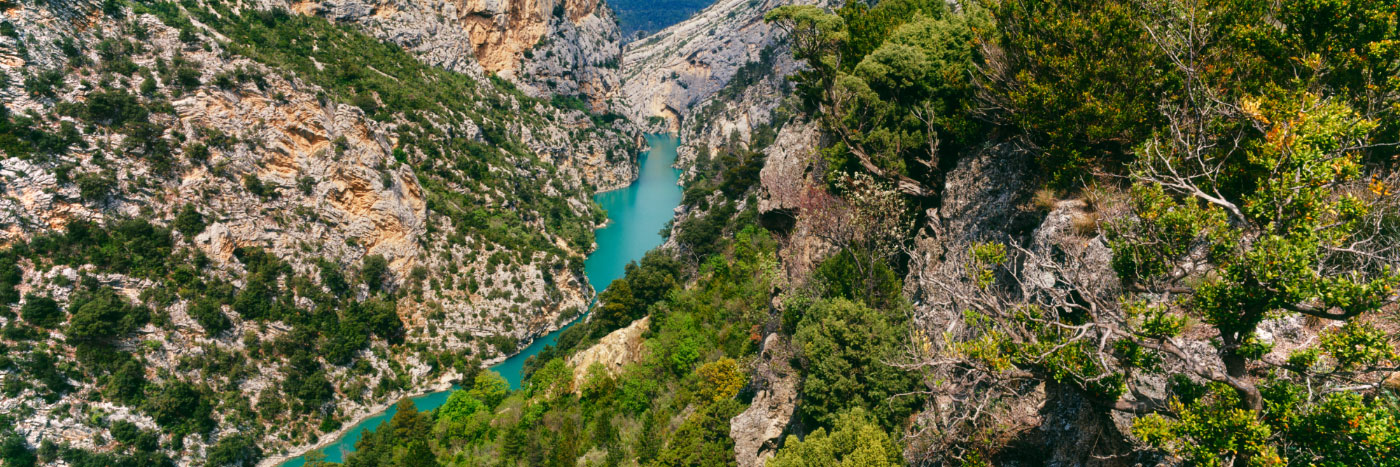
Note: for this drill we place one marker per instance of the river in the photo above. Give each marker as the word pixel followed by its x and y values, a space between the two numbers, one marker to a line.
pixel 636 215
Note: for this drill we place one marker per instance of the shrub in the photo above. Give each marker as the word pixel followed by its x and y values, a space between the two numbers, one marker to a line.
pixel 102 315
pixel 10 276
pixel 234 450
pixel 189 222
pixel 113 108
pixel 844 348
pixel 459 406
pixel 331 277
pixel 853 440
pixel 15 452
pixel 41 311
pixel 703 438
pixel 719 380
pixel 256 186
pixel 374 272
pixel 197 152
pixel 489 387
pixel 635 394
pixel 181 408
pixel 96 186
pixel 45 83
pixel 210 315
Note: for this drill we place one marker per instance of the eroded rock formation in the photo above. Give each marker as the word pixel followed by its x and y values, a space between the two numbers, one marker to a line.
pixel 612 352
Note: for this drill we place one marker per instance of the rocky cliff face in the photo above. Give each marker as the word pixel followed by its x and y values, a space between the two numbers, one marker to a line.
pixel 546 47
pixel 611 353
pixel 489 36
pixel 156 114
pixel 985 197
pixel 757 431
pixel 579 56
pixel 667 74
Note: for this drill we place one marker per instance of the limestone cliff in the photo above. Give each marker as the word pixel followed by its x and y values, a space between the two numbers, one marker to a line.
pixel 245 164
pixel 488 36
pixel 667 74
pixel 611 353
pixel 758 430
pixel 546 47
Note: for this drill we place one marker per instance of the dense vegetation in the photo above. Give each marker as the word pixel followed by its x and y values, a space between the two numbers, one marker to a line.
pixel 1244 148
pixel 117 305
pixel 695 335
pixel 1241 153
pixel 1249 144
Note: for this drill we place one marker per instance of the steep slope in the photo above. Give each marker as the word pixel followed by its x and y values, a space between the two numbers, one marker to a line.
pixel 639 18
pixel 230 229
pixel 667 74
pixel 511 38
pixel 547 48
pixel 887 277
pixel 718 79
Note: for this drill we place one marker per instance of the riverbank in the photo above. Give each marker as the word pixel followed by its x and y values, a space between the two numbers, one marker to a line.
pixel 358 417
pixel 636 215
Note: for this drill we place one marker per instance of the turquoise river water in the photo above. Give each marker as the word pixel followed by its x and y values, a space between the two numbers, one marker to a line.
pixel 636 215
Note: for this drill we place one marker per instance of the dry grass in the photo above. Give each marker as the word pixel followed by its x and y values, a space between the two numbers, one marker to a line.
pixel 1096 197
pixel 1086 223
pixel 1045 200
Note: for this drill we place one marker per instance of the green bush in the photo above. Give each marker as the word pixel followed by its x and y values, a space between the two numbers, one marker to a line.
pixel 15 452
pixel 96 186
pixel 234 450
pixel 102 316
pixel 44 83
pixel 113 108
pixel 10 276
pixel 189 222
pixel 374 272
pixel 489 388
pixel 256 186
pixel 181 408
pixel 703 438
pixel 129 434
pixel 854 439
pixel 41 311
pixel 306 381
pixel 210 316
pixel 845 347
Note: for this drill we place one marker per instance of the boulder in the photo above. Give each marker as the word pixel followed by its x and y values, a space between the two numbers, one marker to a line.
pixel 758 430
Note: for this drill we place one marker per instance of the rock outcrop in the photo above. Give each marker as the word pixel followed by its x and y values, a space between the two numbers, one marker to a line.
pixel 667 74
pixel 579 56
pixel 493 36
pixel 757 431
pixel 545 47
pixel 793 197
pixel 612 352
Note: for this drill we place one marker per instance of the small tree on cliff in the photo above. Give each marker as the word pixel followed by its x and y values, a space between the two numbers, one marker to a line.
pixel 1288 229
pixel 892 83
pixel 1250 211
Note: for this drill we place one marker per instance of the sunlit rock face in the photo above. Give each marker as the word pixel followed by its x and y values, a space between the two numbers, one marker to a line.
pixel 667 74
pixel 566 47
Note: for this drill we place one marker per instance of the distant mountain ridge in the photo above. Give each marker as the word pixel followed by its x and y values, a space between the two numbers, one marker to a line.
pixel 639 18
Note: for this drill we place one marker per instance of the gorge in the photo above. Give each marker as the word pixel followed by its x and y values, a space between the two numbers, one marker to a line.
pixel 770 233
pixel 635 214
